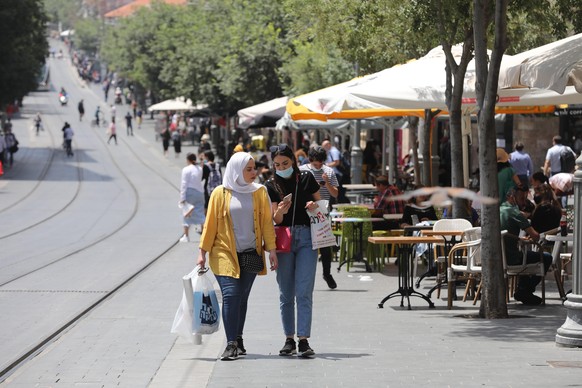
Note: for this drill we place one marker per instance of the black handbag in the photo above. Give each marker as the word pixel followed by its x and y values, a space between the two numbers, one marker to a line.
pixel 250 261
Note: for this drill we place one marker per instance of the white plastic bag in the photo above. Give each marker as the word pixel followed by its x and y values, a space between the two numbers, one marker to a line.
pixel 321 233
pixel 198 312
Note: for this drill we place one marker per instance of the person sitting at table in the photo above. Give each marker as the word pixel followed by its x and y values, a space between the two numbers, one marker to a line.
pixel 514 221
pixel 548 211
pixel 384 205
pixel 415 209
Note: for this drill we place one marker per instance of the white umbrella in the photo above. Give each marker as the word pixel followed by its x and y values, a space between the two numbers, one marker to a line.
pixel 553 66
pixel 262 115
pixel 421 84
pixel 173 104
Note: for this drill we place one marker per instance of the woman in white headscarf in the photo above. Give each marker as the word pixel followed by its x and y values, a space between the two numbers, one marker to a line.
pixel 238 220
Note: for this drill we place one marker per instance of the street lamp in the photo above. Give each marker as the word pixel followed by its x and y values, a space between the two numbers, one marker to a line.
pixel 570 333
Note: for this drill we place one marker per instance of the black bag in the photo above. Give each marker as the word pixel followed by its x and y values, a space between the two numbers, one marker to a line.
pixel 567 160
pixel 250 261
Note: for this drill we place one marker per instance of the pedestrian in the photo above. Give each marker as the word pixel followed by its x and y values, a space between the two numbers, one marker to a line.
pixel 8 125
pixel 139 118
pixel 38 123
pixel 3 148
pixel 239 219
pixel 11 144
pixel 68 138
pixel 204 142
pixel 177 142
pixel 81 109
pixel 328 190
pixel 191 191
pixel 522 164
pixel 129 127
pixel 553 163
pixel 134 108
pixel 166 136
pixel 506 176
pixel 296 272
pixel 97 115
pixel 334 160
pixel 212 175
pixel 113 112
pixel 112 131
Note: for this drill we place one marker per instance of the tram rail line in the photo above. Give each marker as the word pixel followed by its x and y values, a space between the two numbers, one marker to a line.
pixel 21 359
pixel 41 179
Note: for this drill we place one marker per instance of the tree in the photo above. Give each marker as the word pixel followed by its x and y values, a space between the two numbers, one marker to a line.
pixel 313 65
pixel 23 47
pixel 493 303
pixel 87 35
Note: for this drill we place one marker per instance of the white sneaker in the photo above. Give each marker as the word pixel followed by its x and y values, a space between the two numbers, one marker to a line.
pixel 184 238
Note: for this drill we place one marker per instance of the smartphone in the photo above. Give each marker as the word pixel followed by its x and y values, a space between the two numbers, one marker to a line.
pixel 288 198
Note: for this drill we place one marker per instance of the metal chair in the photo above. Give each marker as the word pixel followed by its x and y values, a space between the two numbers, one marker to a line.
pixel 465 258
pixel 524 268
pixel 441 250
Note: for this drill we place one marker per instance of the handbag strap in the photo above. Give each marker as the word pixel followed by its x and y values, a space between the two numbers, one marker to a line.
pixel 295 200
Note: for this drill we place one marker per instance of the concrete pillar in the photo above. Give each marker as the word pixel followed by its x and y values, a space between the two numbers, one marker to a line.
pixel 356 155
pixel 570 333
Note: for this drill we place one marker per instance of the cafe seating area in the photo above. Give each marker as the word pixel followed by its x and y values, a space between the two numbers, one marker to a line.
pixel 452 260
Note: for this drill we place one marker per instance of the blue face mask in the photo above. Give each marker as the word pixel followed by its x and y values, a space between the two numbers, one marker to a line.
pixel 285 173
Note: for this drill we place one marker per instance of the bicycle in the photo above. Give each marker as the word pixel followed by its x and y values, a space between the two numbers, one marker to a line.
pixel 102 123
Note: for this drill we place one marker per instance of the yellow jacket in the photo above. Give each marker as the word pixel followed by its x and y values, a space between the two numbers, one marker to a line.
pixel 218 236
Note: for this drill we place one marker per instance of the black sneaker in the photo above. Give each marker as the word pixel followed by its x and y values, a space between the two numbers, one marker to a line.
pixel 330 281
pixel 289 348
pixel 527 298
pixel 230 353
pixel 240 346
pixel 304 349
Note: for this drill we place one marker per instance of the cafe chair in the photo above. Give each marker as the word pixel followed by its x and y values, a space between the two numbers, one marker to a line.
pixel 441 250
pixel 511 272
pixel 465 258
pixel 347 246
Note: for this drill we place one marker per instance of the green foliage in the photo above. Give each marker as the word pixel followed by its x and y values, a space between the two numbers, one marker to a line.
pixel 88 35
pixel 64 11
pixel 226 53
pixel 23 47
pixel 314 66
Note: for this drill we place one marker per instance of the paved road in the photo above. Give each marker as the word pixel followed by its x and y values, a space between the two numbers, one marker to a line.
pixel 118 204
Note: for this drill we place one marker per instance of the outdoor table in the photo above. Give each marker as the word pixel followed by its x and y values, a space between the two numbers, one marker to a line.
pixel 558 242
pixel 405 246
pixel 360 190
pixel 456 236
pixel 357 238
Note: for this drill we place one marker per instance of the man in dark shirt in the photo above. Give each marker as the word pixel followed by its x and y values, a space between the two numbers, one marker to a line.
pixel 514 221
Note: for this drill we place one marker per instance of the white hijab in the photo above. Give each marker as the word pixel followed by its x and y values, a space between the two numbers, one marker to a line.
pixel 233 174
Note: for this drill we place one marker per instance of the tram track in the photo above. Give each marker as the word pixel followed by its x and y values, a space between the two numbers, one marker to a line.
pixel 19 360
pixel 41 179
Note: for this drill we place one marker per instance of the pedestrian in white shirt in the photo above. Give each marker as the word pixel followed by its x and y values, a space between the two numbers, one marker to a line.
pixel 192 192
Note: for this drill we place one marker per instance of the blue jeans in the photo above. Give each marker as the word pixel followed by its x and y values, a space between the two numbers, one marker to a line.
pixel 235 295
pixel 296 278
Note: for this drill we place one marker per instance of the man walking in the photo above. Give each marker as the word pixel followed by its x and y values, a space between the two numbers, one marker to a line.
pixel 553 163
pixel 128 119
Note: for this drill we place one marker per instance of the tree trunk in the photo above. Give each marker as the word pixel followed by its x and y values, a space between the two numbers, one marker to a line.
pixel 454 95
pixel 493 303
